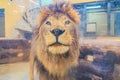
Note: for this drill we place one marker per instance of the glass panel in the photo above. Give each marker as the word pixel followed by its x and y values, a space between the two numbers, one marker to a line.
pixel 2 23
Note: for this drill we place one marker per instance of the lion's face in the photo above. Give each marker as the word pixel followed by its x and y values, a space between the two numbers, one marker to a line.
pixel 58 33
pixel 55 39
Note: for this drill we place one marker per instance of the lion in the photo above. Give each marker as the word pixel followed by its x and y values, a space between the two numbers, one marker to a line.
pixel 54 47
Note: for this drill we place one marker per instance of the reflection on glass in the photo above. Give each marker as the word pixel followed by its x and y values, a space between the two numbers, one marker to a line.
pixel 99 32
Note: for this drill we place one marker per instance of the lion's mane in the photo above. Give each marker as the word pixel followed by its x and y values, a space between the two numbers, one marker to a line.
pixel 58 65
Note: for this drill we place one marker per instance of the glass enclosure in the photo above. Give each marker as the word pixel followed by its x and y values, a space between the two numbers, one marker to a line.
pixel 99 38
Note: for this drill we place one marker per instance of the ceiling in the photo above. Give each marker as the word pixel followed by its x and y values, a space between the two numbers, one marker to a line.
pixel 82 1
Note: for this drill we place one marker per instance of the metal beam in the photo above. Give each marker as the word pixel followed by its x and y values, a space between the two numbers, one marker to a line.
pixel 108 18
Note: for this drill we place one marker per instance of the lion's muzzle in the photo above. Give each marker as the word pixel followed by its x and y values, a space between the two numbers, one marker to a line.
pixel 57 47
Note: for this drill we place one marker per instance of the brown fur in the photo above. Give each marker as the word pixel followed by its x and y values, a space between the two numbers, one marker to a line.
pixel 55 62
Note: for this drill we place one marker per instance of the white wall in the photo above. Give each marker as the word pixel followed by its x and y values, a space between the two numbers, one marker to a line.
pixel 101 22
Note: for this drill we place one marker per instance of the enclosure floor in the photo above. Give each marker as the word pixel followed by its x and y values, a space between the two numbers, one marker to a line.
pixel 20 71
pixel 14 71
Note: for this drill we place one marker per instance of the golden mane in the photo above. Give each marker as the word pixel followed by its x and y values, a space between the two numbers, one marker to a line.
pixel 55 65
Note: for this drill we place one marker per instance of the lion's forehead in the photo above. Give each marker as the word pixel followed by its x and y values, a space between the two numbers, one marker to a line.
pixel 58 17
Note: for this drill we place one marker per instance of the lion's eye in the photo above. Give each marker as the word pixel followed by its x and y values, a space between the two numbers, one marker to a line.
pixel 67 22
pixel 48 22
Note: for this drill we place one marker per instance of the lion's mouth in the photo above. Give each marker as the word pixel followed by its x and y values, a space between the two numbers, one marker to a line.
pixel 58 48
pixel 58 44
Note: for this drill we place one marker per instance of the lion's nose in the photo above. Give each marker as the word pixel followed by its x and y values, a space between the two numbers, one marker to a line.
pixel 57 32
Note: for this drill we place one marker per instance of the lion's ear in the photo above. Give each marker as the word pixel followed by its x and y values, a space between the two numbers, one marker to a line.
pixel 42 16
pixel 74 15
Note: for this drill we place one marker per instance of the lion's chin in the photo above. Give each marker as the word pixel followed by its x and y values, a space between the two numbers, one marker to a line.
pixel 58 49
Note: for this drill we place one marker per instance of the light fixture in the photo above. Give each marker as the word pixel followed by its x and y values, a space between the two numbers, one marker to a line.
pixel 46 2
pixel 93 7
